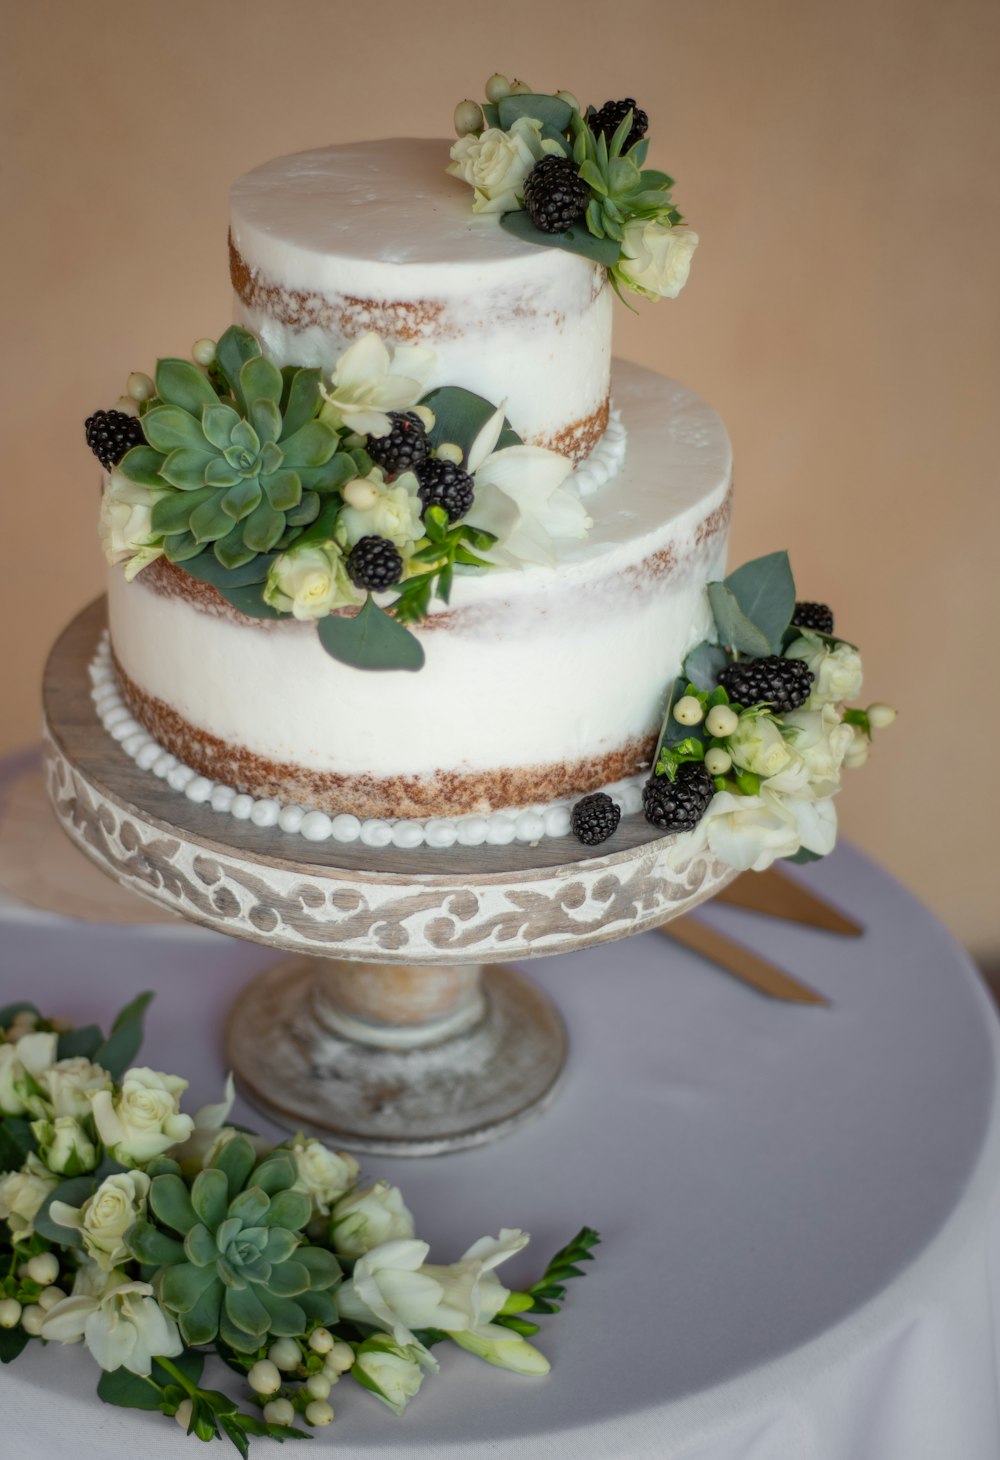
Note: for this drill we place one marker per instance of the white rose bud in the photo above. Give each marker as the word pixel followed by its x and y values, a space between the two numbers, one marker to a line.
pixel 656 259
pixel 31 1055
pixel 125 523
pixel 368 1217
pixel 70 1083
pixel 106 1216
pixel 324 1175
pixel 64 1146
pixel 145 1121
pixel 310 581
pixel 389 1370
pixel 23 1194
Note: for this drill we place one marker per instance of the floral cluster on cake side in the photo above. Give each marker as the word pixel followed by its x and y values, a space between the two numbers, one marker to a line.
pixel 159 1240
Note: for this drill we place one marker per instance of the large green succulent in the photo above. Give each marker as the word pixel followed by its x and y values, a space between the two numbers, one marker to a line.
pixel 621 188
pixel 229 1253
pixel 242 457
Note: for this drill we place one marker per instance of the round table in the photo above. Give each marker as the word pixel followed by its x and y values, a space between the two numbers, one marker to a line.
pixel 800 1259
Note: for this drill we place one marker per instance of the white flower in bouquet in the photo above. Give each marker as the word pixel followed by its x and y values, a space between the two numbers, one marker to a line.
pixel 23 1194
pixel 123 1327
pixel 504 1348
pixel 815 822
pixel 125 523
pixel 145 1120
pixel 750 832
pixel 656 259
pixel 368 1217
pixel 758 745
pixel 29 1056
pixel 368 381
pixel 70 1083
pixel 394 1288
pixel 496 163
pixel 310 581
pixel 324 1175
pixel 822 740
pixel 389 1370
pixel 521 498
pixel 374 507
pixel 837 672
pixel 106 1216
pixel 64 1145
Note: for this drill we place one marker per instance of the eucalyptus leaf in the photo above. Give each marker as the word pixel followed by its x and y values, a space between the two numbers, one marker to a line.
pixel 802 856
pixel 16 1143
pixel 249 600
pixel 75 1043
pixel 460 415
pixel 735 630
pixel 180 383
pixel 74 1193
pixel 704 664
pixel 371 639
pixel 551 111
pixel 119 1050
pixel 491 115
pixel 764 590
pixel 9 1012
pixel 207 569
pixel 576 239
pixel 13 1342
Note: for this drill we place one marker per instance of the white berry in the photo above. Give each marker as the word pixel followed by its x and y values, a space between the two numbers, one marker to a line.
pixel 321 1341
pixel 721 721
pixel 279 1412
pixel 880 716
pixel 203 352
pixel 497 87
pixel 140 385
pixel 569 99
pixel 688 711
pixel 520 88
pixel 717 762
pixel 360 494
pixel 264 1377
pixel 10 1313
pixel 340 1357
pixel 448 451
pixel 468 118
pixel 49 1297
pixel 318 1386
pixel 285 1354
pixel 182 1414
pixel 319 1412
pixel 43 1268
pixel 32 1319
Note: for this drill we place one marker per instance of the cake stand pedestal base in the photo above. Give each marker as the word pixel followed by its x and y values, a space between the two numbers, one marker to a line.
pixel 396 1059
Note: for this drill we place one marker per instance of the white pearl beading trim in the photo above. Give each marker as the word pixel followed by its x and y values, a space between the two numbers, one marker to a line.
pixel 529 824
pixel 606 459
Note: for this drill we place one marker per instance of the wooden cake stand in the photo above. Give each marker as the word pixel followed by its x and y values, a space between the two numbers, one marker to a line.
pixel 396 1033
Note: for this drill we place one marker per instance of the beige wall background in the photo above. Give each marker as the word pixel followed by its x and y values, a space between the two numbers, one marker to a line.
pixel 840 163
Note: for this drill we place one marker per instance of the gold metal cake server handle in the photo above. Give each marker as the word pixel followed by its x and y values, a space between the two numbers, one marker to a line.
pixel 777 895
pixel 751 968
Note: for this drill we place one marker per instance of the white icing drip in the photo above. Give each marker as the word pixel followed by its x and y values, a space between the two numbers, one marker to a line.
pixel 528 824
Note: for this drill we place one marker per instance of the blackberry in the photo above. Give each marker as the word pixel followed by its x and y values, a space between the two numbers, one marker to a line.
pixel 404 448
pixel 373 562
pixel 678 804
pixel 611 116
pixel 813 616
pixel 555 195
pixel 443 484
pixel 110 434
pixel 594 819
pixel 781 683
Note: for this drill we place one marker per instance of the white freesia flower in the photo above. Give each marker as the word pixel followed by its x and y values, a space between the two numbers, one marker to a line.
pixel 656 258
pixel 310 581
pixel 368 381
pixel 28 1056
pixel 124 1327
pixel 373 506
pixel 70 1083
pixel 496 163
pixel 390 1371
pixel 837 672
pixel 750 832
pixel 125 523
pixel 145 1120
pixel 324 1175
pixel 394 1288
pixel 106 1216
pixel 369 1217
pixel 758 745
pixel 521 498
pixel 22 1195
pixel 821 740
pixel 504 1348
pixel 64 1145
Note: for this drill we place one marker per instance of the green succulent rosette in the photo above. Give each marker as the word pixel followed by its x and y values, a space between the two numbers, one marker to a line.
pixel 243 458
pixel 228 1257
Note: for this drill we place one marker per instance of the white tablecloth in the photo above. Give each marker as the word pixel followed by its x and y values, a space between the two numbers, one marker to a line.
pixel 799 1206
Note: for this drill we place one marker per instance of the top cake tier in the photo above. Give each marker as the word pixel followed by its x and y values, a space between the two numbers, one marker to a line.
pixel 327 245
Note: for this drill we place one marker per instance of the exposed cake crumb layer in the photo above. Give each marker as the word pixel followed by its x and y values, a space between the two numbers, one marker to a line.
pixel 327 245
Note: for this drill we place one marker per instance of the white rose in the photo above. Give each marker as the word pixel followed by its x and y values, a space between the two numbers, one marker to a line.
pixel 324 1175
pixel 758 745
pixel 23 1194
pixel 392 511
pixel 496 163
pixel 64 1145
pixel 310 581
pixel 21 1065
pixel 821 740
pixel 750 832
pixel 106 1216
pixel 70 1083
pixel 124 1327
pixel 656 259
pixel 837 672
pixel 125 523
pixel 367 1218
pixel 389 1370
pixel 145 1120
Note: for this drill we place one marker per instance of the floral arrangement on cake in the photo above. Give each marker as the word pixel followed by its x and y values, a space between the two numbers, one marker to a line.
pixel 163 1240
pixel 350 500
pixel 567 178
pixel 757 730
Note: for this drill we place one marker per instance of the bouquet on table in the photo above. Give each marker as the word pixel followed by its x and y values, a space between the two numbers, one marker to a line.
pixel 160 1239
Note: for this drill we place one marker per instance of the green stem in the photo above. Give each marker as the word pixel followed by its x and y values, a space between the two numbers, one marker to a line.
pixel 175 1373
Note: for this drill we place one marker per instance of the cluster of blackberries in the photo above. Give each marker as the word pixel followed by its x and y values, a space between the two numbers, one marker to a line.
pixel 407 447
